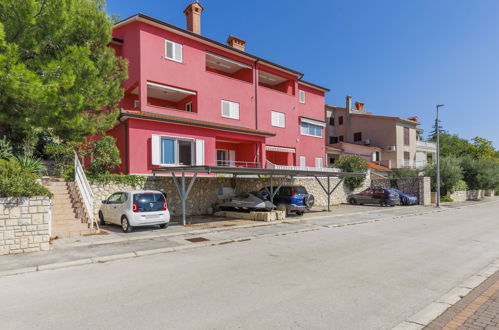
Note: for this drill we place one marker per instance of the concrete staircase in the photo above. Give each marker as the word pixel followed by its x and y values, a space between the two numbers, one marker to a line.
pixel 66 211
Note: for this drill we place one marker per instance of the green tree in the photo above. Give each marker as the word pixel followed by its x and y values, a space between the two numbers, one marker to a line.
pixel 480 173
pixel 57 71
pixel 104 155
pixel 453 145
pixel 450 174
pixel 353 163
pixel 481 148
pixel 432 136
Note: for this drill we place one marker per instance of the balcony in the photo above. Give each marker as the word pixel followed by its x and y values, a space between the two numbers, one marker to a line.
pixel 414 164
pixel 270 165
pixel 426 146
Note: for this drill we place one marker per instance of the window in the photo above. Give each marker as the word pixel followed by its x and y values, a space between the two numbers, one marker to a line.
pixel 176 151
pixel 332 160
pixel 278 119
pixel 376 156
pixel 340 138
pixel 340 120
pixel 136 103
pixel 357 136
pixel 331 121
pixel 173 51
pixel 318 162
pixel 230 109
pixel 188 107
pixel 407 155
pixel 303 161
pixel 406 136
pixel 311 130
pixel 302 96
pixel 333 139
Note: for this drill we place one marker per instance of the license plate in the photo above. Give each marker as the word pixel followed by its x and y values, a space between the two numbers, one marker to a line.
pixel 152 216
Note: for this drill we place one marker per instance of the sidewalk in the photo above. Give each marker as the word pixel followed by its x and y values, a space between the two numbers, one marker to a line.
pixel 117 245
pixel 477 310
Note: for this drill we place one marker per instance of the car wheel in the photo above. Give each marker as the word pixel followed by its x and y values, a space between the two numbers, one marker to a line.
pixel 352 201
pixel 163 226
pixel 300 213
pixel 101 219
pixel 125 225
pixel 382 203
pixel 309 201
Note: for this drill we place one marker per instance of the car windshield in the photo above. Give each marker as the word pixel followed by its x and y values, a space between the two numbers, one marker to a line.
pixel 149 202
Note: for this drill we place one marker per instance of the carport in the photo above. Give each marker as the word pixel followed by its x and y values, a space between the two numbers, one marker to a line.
pixel 179 178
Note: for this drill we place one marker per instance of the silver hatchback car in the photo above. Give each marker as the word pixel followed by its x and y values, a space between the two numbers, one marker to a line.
pixel 135 208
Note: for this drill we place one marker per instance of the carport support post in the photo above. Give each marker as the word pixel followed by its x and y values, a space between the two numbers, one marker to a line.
pixel 183 194
pixel 328 191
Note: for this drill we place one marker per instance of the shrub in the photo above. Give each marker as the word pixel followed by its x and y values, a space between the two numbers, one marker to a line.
pixel 450 174
pixel 104 154
pixel 446 198
pixel 480 173
pixel 16 181
pixel 460 186
pixel 5 149
pixel 31 164
pixel 132 180
pixel 405 172
pixel 62 155
pixel 353 163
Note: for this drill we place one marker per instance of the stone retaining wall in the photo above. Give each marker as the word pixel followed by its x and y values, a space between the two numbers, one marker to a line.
pixel 24 224
pixel 459 196
pixel 418 186
pixel 204 192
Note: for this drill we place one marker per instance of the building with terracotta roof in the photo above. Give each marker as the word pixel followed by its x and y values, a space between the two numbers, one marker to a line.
pixel 392 142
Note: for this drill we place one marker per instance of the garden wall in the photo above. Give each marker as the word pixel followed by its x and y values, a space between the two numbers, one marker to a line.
pixel 204 192
pixel 24 224
pixel 418 186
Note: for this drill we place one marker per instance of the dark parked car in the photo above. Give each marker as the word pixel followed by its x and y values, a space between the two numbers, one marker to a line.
pixel 292 199
pixel 381 196
pixel 406 199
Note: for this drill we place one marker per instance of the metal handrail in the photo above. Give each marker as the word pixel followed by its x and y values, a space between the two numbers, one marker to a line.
pixel 233 163
pixel 85 189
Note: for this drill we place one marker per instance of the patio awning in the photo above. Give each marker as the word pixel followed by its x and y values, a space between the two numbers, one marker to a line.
pixel 280 149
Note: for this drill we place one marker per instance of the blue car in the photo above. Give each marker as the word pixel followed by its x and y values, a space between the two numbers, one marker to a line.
pixel 406 199
pixel 292 199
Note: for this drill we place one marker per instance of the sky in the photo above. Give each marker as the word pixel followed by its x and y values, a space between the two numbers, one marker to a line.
pixel 399 57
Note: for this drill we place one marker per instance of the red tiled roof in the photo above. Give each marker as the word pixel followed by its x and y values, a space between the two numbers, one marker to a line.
pixel 374 166
pixel 191 122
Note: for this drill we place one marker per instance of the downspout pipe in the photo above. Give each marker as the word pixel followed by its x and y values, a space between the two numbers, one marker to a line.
pixel 125 124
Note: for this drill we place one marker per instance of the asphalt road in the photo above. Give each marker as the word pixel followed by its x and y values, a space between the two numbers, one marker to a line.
pixel 368 276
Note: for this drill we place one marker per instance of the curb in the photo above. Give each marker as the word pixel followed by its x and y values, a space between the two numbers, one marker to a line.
pixel 425 316
pixel 411 323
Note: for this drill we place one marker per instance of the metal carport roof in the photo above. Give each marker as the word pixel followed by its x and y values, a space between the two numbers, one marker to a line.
pixel 260 172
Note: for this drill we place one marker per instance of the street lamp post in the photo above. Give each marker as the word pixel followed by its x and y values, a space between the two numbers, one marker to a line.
pixel 438 155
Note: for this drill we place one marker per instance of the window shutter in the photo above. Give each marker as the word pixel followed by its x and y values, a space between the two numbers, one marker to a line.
pixel 169 49
pixel 318 162
pixel 156 149
pixel 232 157
pixel 178 52
pixel 234 111
pixel 225 109
pixel 199 152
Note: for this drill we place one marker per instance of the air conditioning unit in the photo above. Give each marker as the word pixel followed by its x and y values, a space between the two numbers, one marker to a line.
pixel 391 148
pixel 367 142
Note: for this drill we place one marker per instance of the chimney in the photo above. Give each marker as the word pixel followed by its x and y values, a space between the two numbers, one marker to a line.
pixel 236 43
pixel 193 16
pixel 359 106
pixel 348 120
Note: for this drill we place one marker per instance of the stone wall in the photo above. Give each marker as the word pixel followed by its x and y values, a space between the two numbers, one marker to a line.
pixel 418 186
pixel 459 196
pixel 204 191
pixel 24 224
pixel 490 193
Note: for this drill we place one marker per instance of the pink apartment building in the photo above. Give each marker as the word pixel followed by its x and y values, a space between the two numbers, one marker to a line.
pixel 190 100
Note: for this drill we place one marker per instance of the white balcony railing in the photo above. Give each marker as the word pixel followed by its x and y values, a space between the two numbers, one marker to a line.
pixel 233 163
pixel 414 164
pixel 431 146
pixel 85 190
pixel 301 168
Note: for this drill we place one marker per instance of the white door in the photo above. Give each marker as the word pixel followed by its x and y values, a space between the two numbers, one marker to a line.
pixel 232 158
pixel 318 162
pixel 303 161
pixel 111 210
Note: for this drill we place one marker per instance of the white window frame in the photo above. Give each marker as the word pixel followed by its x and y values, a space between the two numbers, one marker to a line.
pixel 303 132
pixel 277 117
pixel 233 109
pixel 303 161
pixel 174 46
pixel 302 96
pixel 319 162
pixel 176 139
pixel 188 107
pixel 136 104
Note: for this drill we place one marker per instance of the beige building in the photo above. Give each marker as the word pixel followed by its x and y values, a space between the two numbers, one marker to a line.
pixel 389 141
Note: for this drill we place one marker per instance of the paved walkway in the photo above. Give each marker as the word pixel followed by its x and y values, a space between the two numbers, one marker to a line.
pixel 477 310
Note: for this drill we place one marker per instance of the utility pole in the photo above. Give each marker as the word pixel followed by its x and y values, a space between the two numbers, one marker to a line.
pixel 438 155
